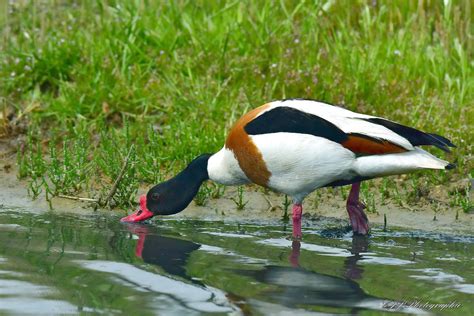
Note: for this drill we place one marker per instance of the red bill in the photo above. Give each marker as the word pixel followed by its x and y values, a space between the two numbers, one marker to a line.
pixel 142 214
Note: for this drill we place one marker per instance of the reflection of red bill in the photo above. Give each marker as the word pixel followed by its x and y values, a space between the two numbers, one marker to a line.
pixel 141 231
pixel 142 214
pixel 140 244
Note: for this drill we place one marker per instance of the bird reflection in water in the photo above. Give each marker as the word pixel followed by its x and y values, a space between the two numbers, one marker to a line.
pixel 297 287
pixel 171 254
pixel 294 287
pixel 360 244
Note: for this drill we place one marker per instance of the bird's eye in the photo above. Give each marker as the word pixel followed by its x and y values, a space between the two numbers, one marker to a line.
pixel 155 196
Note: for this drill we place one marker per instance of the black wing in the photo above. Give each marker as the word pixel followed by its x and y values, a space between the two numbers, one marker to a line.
pixel 289 120
pixel 414 136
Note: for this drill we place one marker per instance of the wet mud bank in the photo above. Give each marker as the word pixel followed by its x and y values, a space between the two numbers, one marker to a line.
pixel 330 211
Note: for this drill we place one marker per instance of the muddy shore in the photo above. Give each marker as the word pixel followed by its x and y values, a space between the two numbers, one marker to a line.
pixel 329 212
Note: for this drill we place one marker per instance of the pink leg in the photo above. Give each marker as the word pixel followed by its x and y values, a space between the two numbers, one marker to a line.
pixel 297 212
pixel 355 208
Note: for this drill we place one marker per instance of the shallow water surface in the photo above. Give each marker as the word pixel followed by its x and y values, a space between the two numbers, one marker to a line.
pixel 68 264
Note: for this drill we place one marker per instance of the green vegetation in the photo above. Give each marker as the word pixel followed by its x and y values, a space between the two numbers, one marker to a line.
pixel 89 79
pixel 239 200
pixel 285 206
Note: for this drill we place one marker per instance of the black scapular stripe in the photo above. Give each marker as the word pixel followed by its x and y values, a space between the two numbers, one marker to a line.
pixel 414 136
pixel 288 120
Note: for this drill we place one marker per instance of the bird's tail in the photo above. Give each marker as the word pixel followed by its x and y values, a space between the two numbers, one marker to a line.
pixel 382 165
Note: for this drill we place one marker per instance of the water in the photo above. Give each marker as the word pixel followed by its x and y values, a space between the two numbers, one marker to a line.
pixel 70 264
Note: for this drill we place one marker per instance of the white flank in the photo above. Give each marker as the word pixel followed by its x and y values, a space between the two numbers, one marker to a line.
pixel 382 165
pixel 347 121
pixel 223 168
pixel 301 163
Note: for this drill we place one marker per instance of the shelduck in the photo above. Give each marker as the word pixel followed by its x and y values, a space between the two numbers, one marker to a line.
pixel 295 147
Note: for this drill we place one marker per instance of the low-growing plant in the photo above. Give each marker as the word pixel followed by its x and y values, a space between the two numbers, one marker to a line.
pixel 203 195
pixel 217 190
pixel 286 204
pixel 384 190
pixel 368 197
pixel 461 198
pixel 68 169
pixel 239 201
pixel 344 192
pixel 397 195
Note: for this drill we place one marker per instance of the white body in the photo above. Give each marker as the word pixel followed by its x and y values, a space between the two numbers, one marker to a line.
pixel 301 163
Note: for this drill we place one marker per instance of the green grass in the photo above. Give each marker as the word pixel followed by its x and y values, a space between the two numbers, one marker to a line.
pixel 239 200
pixel 92 78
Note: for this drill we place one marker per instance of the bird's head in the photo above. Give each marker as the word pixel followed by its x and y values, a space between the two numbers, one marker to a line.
pixel 166 198
pixel 172 196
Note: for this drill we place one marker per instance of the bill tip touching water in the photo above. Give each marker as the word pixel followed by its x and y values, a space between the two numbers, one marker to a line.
pixel 143 213
pixel 295 147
